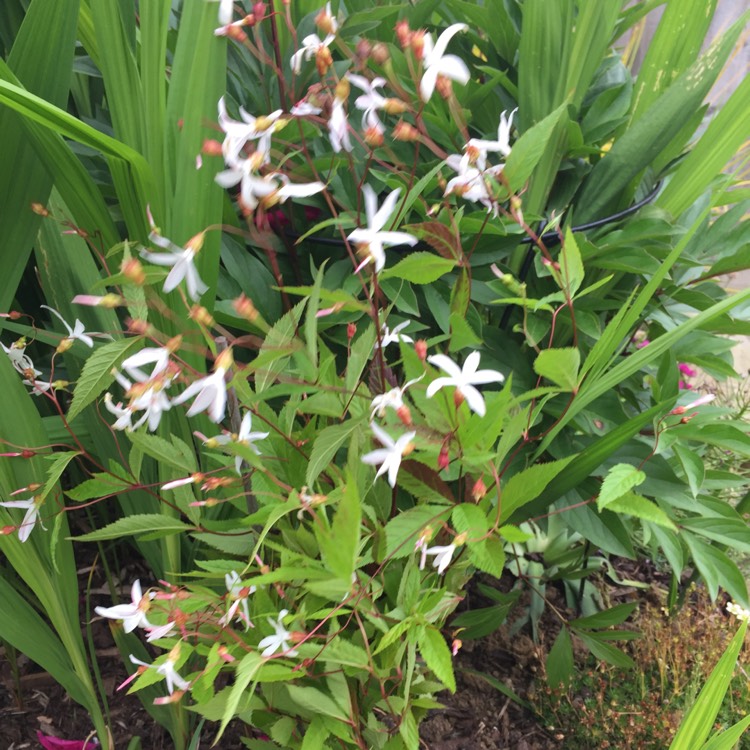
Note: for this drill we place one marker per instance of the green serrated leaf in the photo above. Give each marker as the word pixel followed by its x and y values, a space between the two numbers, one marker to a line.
pixel 420 268
pixel 437 655
pixel 327 444
pixel 560 366
pixel 96 375
pixel 620 479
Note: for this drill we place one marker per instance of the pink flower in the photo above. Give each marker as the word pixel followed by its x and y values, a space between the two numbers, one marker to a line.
pixel 55 743
pixel 687 370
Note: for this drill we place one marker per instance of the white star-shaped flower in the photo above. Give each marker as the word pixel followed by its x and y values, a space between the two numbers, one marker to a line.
pixel 502 144
pixel 19 359
pixel 393 399
pixel 157 356
pixel 167 670
pixel 338 127
pixel 244 437
pixel 279 640
pixel 464 379
pixel 133 615
pixel 238 594
pixel 77 332
pixel 390 455
pixel 371 101
pixel 31 506
pixel 251 128
pixel 436 62
pixel 373 239
pixel 181 259
pixel 210 395
pixel 442 554
pixel 311 45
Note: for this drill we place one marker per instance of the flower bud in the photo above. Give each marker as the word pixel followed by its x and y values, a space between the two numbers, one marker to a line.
pixel 417 43
pixel 380 54
pixel 132 270
pixel 456 646
pixel 7 530
pixel 225 360
pixel 363 49
pixel 479 490
pixel 351 329
pixel 39 209
pixel 374 137
pixel 200 315
pixel 444 87
pixel 404 414
pixel 259 11
pixel 420 347
pixel 245 308
pixel 224 654
pixel 395 106
pixel 211 147
pixel 326 22
pixel 403 34
pixel 403 131
pixel 323 60
pixel 27 453
pixel 443 458
pixel 342 89
pixel 137 326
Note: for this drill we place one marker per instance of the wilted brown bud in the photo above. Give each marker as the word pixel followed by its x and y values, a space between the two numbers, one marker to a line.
pixel 39 209
pixel 403 131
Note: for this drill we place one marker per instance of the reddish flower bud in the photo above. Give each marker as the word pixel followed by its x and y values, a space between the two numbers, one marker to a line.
pixel 133 271
pixel 259 11
pixel 363 49
pixel 404 415
pixel 211 147
pixel 403 34
pixel 417 43
pixel 420 347
pixel 479 490
pixel 27 453
pixel 443 458
pixel 351 329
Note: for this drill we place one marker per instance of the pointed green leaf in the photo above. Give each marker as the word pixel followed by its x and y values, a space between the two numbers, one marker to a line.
pixel 621 478
pixel 437 655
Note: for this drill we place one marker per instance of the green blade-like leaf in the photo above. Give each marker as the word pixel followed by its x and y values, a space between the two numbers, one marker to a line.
pixel 41 58
pixel 700 719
